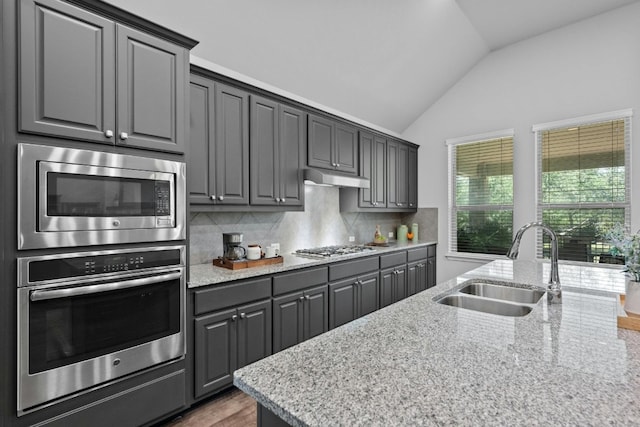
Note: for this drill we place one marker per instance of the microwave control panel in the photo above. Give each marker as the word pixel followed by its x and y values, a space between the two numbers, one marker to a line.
pixel 163 198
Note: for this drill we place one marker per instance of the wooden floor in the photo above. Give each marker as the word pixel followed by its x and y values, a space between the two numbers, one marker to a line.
pixel 231 408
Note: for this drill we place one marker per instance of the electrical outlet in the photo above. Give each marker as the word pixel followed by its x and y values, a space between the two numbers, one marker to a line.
pixel 391 234
pixel 352 238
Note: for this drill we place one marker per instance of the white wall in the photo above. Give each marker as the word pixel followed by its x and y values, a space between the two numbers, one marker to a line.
pixel 590 67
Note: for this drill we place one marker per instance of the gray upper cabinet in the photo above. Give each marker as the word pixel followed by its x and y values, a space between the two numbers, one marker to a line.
pixel 75 65
pixel 398 175
pixel 373 166
pixel 201 153
pixel 151 83
pixel 218 155
pixel 332 145
pixel 413 177
pixel 277 141
pixel 232 145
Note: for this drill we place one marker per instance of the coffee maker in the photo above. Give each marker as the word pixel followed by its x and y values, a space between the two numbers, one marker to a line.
pixel 232 250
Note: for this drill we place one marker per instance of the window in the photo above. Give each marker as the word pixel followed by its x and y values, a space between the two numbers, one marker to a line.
pixel 583 183
pixel 481 193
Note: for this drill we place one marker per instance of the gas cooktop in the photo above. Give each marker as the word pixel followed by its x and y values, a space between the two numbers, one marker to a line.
pixel 332 251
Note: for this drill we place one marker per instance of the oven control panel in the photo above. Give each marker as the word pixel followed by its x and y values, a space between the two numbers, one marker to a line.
pixel 77 265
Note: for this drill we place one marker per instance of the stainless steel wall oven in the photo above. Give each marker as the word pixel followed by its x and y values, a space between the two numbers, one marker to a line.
pixel 87 318
pixel 69 197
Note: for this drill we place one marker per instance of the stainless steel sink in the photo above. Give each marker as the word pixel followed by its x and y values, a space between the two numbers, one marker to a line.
pixel 486 305
pixel 505 293
pixel 505 299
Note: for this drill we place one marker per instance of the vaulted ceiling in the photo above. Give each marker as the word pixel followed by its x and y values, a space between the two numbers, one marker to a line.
pixel 383 61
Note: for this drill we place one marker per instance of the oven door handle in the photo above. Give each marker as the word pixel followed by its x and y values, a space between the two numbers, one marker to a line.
pixel 45 294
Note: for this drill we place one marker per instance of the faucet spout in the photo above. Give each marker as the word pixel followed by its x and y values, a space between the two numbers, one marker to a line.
pixel 554 291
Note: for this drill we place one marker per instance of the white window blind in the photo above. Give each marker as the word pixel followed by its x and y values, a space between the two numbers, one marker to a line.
pixel 481 193
pixel 583 183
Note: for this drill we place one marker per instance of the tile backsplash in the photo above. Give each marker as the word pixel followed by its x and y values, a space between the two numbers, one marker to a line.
pixel 320 224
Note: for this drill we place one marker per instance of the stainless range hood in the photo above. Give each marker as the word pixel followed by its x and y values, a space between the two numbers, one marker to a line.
pixel 318 176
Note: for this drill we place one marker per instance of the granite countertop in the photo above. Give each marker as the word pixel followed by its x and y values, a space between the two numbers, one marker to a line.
pixel 417 362
pixel 208 274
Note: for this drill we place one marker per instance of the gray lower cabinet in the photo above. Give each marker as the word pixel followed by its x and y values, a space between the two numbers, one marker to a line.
pixel 393 277
pixel 228 340
pixel 332 145
pixel 276 153
pixel 86 77
pixel 416 277
pixel 421 269
pixel 299 316
pixel 218 155
pixel 300 306
pixel 232 328
pixel 352 298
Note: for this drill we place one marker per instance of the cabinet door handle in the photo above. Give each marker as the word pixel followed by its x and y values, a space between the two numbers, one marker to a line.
pixel 221 198
pixel 307 297
pixel 243 316
pixel 277 199
pixel 301 298
pixel 234 317
pixel 282 200
pixel 337 165
pixel 108 133
pixel 212 197
pixel 124 135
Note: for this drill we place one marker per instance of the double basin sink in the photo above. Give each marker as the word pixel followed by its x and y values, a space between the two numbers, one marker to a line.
pixel 494 297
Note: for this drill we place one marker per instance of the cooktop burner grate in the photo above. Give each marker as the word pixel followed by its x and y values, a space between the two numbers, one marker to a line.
pixel 331 251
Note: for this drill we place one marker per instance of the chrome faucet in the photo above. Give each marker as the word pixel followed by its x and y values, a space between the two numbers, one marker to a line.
pixel 554 291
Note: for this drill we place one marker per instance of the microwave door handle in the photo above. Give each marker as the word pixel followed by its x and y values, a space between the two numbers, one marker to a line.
pixel 44 294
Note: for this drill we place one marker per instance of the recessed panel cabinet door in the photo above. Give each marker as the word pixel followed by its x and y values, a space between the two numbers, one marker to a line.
pixel 346 150
pixel 342 302
pixel 369 294
pixel 67 72
pixel 292 140
pixel 265 153
pixel 413 177
pixel 392 174
pixel 215 351
pixel 316 311
pixel 232 145
pixel 254 332
pixel 201 151
pixel 321 141
pixel 287 321
pixel 151 91
pixel 402 200
pixel 367 169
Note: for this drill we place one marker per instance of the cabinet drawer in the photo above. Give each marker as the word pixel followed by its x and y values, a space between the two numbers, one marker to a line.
pixel 393 259
pixel 152 401
pixel 418 253
pixel 218 297
pixel 353 268
pixel 291 282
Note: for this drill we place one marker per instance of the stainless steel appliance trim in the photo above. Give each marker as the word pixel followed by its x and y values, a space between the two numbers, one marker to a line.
pixel 41 295
pixel 43 387
pixel 23 266
pixel 336 179
pixel 30 237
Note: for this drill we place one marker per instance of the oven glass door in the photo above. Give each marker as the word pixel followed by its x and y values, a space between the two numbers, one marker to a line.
pixel 67 330
pixel 74 338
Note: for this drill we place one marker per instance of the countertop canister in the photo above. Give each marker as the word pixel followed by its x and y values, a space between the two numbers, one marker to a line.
pixel 414 231
pixel 402 233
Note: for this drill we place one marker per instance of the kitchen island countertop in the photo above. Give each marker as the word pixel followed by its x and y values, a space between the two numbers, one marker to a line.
pixel 417 362
pixel 208 274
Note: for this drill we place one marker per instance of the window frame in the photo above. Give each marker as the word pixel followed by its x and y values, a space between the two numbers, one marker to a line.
pixel 451 144
pixel 538 129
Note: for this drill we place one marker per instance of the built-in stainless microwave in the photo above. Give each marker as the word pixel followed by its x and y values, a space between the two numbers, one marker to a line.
pixel 69 197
